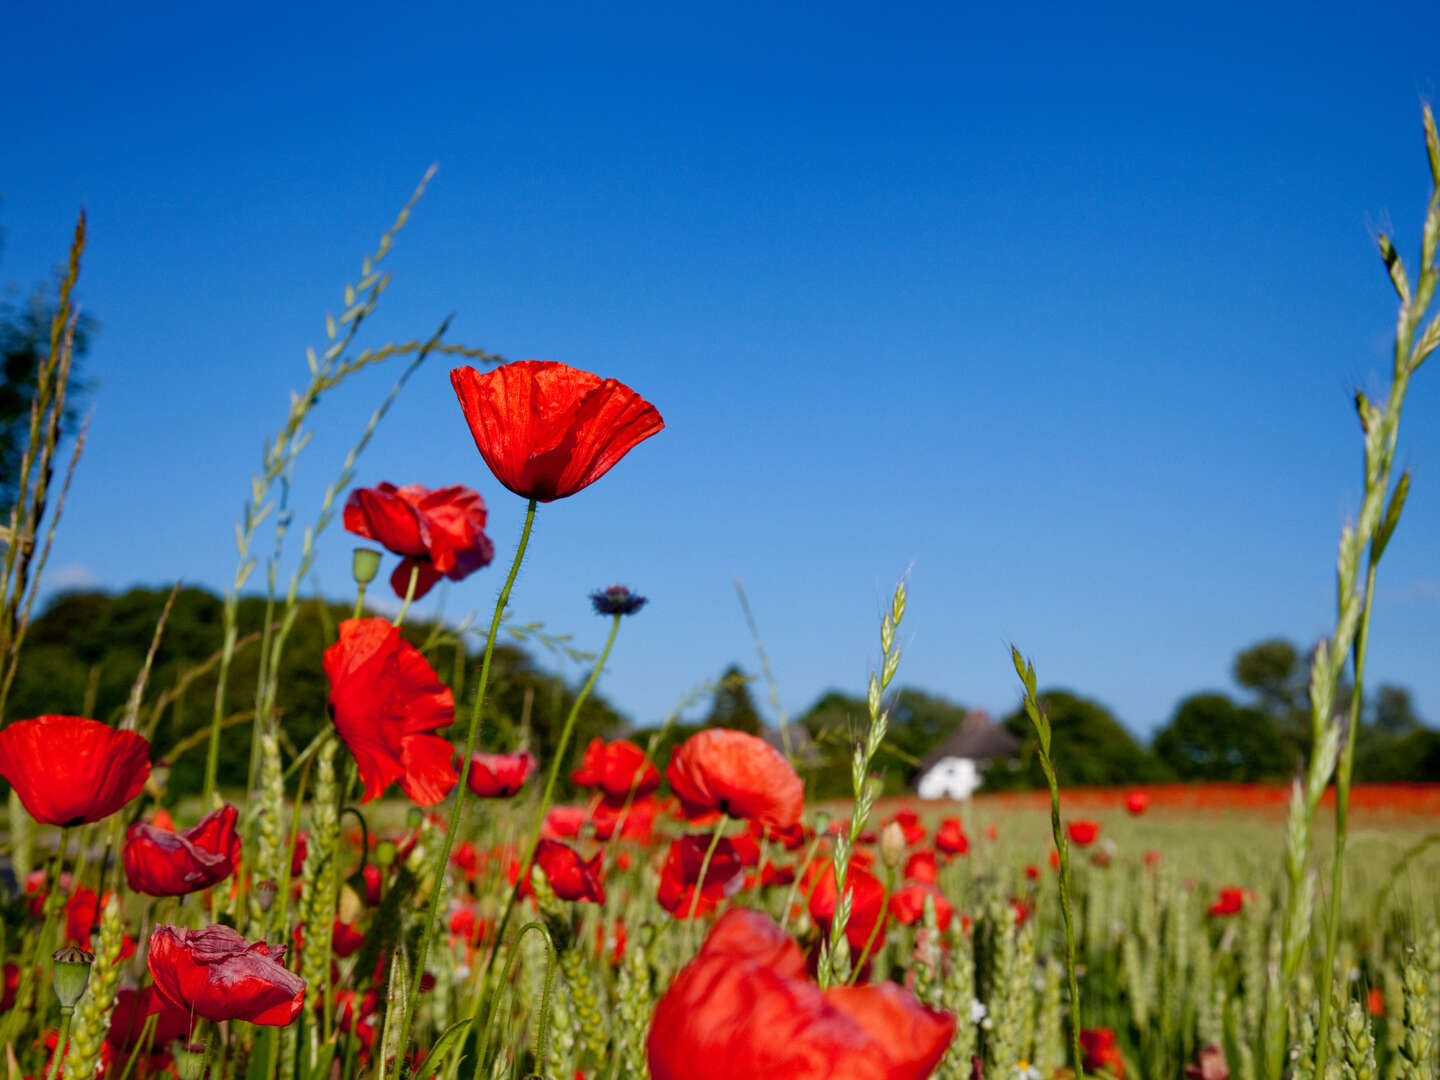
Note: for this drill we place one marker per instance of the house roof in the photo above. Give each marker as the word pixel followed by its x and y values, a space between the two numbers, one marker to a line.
pixel 979 738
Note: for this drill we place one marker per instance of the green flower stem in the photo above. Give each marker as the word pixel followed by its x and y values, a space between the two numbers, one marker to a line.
pixel 359 601
pixel 415 576
pixel 875 930
pixel 795 885
pixel 549 786
pixel 705 868
pixel 444 855
pixel 60 1046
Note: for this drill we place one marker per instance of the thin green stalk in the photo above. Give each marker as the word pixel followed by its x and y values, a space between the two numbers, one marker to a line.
pixel 875 930
pixel 409 594
pixel 60 1046
pixel 484 1048
pixel 705 867
pixel 444 853
pixel 1026 671
pixel 795 885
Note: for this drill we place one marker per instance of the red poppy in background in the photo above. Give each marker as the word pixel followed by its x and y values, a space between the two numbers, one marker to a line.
pixel 1032 872
pixel 386 701
pixel 215 973
pixel 9 985
pixel 570 876
pixel 680 876
pixel 163 863
pixel 614 768
pixel 1101 1053
pixel 345 939
pixel 564 822
pixel 1137 802
pixel 729 772
pixel 548 430
pixel 909 823
pixel 133 1008
pixel 1083 833
pixel 499 776
pixel 867 905
pixel 636 822
pixel 922 867
pixel 71 771
pixel 1229 902
pixel 950 837
pixel 908 905
pixel 1374 1000
pixel 440 533
pixel 743 1008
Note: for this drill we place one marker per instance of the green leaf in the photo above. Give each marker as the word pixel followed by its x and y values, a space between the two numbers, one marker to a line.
pixel 439 1054
pixel 1391 518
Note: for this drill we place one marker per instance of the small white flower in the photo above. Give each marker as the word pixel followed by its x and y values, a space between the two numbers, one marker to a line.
pixel 978 1013
pixel 1025 1071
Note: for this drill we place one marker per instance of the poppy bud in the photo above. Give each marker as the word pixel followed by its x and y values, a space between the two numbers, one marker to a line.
pixel 71 974
pixel 892 844
pixel 265 893
pixel 414 818
pixel 365 564
pixel 351 906
pixel 189 1060
pixel 385 852
pixel 822 822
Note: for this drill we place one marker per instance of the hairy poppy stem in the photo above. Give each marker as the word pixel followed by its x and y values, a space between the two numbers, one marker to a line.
pixel 415 577
pixel 549 784
pixel 705 868
pixel 444 856
pixel 60 1042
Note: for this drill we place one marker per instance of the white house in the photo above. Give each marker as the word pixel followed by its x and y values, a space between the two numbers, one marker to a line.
pixel 953 769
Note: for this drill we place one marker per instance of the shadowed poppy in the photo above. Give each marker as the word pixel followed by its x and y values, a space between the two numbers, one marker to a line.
pixel 159 862
pixel 440 533
pixel 133 1008
pixel 950 837
pixel 743 1008
pixel 71 771
pixel 680 876
pixel 386 701
pixel 215 973
pixel 548 430
pixel 613 768
pixel 570 876
pixel 729 772
pixel 499 776
pixel 1083 833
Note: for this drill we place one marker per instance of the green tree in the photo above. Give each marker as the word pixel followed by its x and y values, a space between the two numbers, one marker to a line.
pixel 1272 670
pixel 1393 712
pixel 732 706
pixel 1210 737
pixel 1089 747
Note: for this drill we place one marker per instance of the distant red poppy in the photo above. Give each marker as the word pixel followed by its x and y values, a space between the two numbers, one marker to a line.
pixel 680 876
pixel 613 768
pixel 1083 833
pixel 386 701
pixel 867 906
pixel 635 822
pixel 564 822
pixel 9 985
pixel 216 974
pixel 908 905
pixel 1375 1002
pixel 345 939
pixel 440 533
pixel 1229 902
pixel 71 771
pixel 950 837
pixel 909 823
pixel 548 430
pixel 1137 802
pixel 743 1008
pixel 570 876
pixel 163 863
pixel 730 772
pixel 1152 858
pixel 499 776
pixel 923 867
pixel 1032 872
pixel 1101 1053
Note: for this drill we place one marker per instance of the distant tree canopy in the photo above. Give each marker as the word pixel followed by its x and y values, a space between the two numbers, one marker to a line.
pixel 84 651
pixel 732 706
pixel 1210 737
pixel 1089 747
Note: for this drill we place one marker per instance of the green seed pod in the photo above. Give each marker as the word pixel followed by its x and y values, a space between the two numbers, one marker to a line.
pixel 71 974
pixel 364 565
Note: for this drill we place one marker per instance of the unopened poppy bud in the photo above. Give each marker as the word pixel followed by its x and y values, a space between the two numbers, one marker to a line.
pixel 385 852
pixel 365 564
pixel 414 818
pixel 71 974
pixel 265 893
pixel 350 905
pixel 189 1059
pixel 160 775
pixel 892 844
pixel 822 822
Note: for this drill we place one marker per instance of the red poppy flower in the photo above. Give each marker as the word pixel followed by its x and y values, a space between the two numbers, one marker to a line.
pixel 1374 1000
pixel 386 700
pixel 161 863
pixel 440 533
pixel 1152 858
pixel 909 823
pixel 345 939
pixel 1083 833
pixel 743 1007
pixel 570 876
pixel 1032 872
pixel 466 925
pixel 133 1008
pixel 680 876
pixel 867 906
pixel 71 771
pixel 950 837
pixel 1101 1053
pixel 10 986
pixel 922 867
pixel 730 772
pixel 1229 902
pixel 499 776
pixel 564 822
pixel 217 974
pixel 547 430
pixel 1137 802
pixel 636 822
pixel 614 767
pixel 908 905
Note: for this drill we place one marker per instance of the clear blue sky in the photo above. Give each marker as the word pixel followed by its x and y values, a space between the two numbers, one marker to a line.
pixel 1061 305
